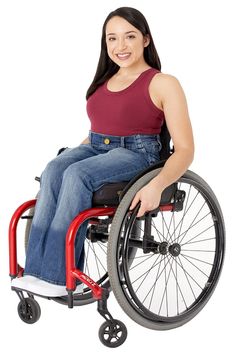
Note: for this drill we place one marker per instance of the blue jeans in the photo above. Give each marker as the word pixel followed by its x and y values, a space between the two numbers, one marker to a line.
pixel 67 186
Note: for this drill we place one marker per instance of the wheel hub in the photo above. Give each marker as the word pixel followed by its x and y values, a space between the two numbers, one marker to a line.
pixel 175 249
pixel 163 248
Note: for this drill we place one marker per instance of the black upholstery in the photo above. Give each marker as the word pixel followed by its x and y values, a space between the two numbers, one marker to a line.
pixel 111 193
pixel 165 137
pixel 108 194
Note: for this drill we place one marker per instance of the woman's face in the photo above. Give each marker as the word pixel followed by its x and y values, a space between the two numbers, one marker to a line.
pixel 125 43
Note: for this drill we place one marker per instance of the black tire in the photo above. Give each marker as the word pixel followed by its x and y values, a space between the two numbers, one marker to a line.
pixel 113 334
pixel 182 281
pixel 29 310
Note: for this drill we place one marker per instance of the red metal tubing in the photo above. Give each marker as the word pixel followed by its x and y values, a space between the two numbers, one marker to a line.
pixel 13 265
pixel 71 272
pixel 96 289
pixel 168 207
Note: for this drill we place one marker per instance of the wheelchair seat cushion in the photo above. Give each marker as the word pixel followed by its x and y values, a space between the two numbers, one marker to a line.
pixel 108 194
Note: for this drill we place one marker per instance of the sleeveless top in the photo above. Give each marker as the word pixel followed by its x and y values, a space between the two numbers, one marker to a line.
pixel 126 112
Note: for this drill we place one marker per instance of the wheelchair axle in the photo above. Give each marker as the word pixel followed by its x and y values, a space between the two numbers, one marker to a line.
pixel 150 245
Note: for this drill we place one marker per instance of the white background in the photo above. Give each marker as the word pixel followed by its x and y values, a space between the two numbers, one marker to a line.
pixel 48 56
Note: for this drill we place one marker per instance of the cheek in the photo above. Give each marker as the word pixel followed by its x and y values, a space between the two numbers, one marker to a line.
pixel 110 48
pixel 111 55
pixel 109 52
pixel 138 47
pixel 139 51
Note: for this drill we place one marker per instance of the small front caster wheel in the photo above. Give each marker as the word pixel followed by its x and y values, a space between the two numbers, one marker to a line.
pixel 112 334
pixel 29 310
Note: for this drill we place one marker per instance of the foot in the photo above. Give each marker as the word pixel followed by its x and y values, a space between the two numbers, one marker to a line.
pixel 41 287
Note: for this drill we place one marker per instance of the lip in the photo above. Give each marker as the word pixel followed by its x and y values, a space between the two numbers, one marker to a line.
pixel 126 56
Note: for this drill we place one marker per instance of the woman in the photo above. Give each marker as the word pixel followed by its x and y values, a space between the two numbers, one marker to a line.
pixel 127 103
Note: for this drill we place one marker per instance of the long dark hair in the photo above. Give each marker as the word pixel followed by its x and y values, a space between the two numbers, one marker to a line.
pixel 106 67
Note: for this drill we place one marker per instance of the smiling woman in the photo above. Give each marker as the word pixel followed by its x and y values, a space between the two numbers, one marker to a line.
pixel 127 104
pixel 121 45
pixel 110 38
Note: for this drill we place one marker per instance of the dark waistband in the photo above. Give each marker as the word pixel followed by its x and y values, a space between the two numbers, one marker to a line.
pixel 98 138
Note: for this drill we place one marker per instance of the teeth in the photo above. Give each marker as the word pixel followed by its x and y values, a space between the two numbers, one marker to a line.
pixel 123 55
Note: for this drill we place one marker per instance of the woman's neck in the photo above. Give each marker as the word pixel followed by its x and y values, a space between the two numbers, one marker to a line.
pixel 130 71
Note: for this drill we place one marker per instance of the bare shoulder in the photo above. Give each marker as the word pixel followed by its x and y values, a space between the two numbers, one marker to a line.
pixel 163 88
pixel 162 81
pixel 166 86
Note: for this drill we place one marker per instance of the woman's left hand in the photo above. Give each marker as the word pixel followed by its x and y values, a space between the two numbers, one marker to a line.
pixel 150 196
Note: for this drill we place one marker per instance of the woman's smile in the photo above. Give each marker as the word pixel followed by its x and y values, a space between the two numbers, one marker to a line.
pixel 123 56
pixel 125 44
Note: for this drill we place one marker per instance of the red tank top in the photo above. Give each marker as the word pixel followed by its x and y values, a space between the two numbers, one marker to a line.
pixel 126 112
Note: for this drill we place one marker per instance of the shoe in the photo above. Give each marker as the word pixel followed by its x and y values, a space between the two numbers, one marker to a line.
pixel 24 283
pixel 41 287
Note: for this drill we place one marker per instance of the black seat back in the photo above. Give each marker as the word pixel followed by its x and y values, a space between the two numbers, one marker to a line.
pixel 165 138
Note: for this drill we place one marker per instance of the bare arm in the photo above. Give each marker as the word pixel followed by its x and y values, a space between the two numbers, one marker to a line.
pixel 86 141
pixel 178 123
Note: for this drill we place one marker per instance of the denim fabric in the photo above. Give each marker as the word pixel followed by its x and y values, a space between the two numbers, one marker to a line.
pixel 67 186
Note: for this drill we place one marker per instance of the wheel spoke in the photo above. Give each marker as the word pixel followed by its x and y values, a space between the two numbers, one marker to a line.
pixel 197 259
pixel 156 277
pixel 160 235
pixel 146 273
pixel 86 259
pixel 154 286
pixel 178 288
pixel 102 247
pixel 96 260
pixel 192 225
pixel 146 259
pixel 165 294
pixel 200 233
pixel 169 282
pixel 186 210
pixel 167 227
pixel 187 275
pixel 184 213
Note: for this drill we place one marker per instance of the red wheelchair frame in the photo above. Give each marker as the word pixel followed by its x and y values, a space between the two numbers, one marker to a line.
pixel 99 293
pixel 172 200
pixel 71 272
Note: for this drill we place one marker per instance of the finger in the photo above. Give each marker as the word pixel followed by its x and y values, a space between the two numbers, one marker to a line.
pixel 135 201
pixel 141 211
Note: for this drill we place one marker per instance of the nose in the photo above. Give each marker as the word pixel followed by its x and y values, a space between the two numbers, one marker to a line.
pixel 121 44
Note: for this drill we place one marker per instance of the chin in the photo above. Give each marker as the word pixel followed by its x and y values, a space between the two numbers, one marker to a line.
pixel 122 64
pixel 125 65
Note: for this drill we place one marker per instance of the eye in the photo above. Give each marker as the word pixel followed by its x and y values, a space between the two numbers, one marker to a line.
pixel 131 36
pixel 111 38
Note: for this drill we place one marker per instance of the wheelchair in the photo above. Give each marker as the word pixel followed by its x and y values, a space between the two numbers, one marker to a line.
pixel 162 267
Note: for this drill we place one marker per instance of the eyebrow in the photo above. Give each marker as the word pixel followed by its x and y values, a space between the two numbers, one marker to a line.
pixel 125 33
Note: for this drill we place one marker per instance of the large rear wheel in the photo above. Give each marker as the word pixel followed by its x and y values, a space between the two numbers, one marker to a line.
pixel 178 259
